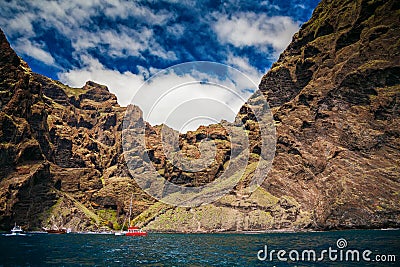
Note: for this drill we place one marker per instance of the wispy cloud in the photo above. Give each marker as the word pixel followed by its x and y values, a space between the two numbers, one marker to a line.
pixel 128 9
pixel 79 22
pixel 118 44
pixel 34 50
pixel 252 29
pixel 21 25
pixel 122 43
pixel 243 65
pixel 194 94
pixel 124 85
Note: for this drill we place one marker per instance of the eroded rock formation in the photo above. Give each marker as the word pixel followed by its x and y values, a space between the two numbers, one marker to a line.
pixel 334 94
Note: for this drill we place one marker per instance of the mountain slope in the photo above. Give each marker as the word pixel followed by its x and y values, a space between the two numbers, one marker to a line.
pixel 60 150
pixel 334 93
pixel 335 98
pixel 337 105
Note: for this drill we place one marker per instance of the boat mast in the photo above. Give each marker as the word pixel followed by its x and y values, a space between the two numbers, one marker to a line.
pixel 130 212
pixel 123 224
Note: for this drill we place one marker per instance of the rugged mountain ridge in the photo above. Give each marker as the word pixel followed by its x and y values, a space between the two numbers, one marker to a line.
pixel 334 93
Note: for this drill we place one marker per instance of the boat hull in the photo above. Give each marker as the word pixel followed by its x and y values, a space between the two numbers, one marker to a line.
pixel 18 234
pixel 120 233
pixel 51 231
pixel 135 231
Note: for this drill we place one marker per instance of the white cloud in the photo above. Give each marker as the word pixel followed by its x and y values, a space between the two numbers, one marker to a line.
pixel 168 97
pixel 72 18
pixel 242 64
pixel 118 44
pixel 178 99
pixel 20 25
pixel 126 9
pixel 123 85
pixel 251 29
pixel 35 50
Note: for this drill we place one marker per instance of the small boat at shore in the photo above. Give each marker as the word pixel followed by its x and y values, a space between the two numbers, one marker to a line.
pixel 120 233
pixel 16 231
pixel 55 230
pixel 96 233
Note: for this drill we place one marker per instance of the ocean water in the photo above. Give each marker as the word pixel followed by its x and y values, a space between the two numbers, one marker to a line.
pixel 201 249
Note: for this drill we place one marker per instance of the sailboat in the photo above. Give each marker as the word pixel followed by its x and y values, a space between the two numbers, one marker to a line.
pixel 132 230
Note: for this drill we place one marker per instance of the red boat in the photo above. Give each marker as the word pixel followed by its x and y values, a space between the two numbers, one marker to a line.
pixel 135 231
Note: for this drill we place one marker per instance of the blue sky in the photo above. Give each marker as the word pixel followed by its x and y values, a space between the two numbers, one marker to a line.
pixel 122 43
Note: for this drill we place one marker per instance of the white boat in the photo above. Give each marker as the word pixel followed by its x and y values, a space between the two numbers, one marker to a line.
pixel 96 233
pixel 17 230
pixel 120 233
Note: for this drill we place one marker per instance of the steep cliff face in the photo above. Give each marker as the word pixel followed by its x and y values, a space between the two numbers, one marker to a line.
pixel 24 142
pixel 335 97
pixel 334 93
pixel 61 161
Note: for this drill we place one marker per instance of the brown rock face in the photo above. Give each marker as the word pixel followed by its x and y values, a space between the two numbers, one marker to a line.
pixel 60 152
pixel 189 145
pixel 337 113
pixel 334 94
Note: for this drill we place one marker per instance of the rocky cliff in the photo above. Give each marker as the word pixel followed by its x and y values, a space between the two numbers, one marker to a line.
pixel 60 152
pixel 334 94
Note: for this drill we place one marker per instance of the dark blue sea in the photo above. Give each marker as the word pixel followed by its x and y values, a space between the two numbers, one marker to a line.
pixel 373 247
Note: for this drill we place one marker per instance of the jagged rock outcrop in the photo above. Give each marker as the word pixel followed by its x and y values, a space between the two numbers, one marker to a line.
pixel 334 94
